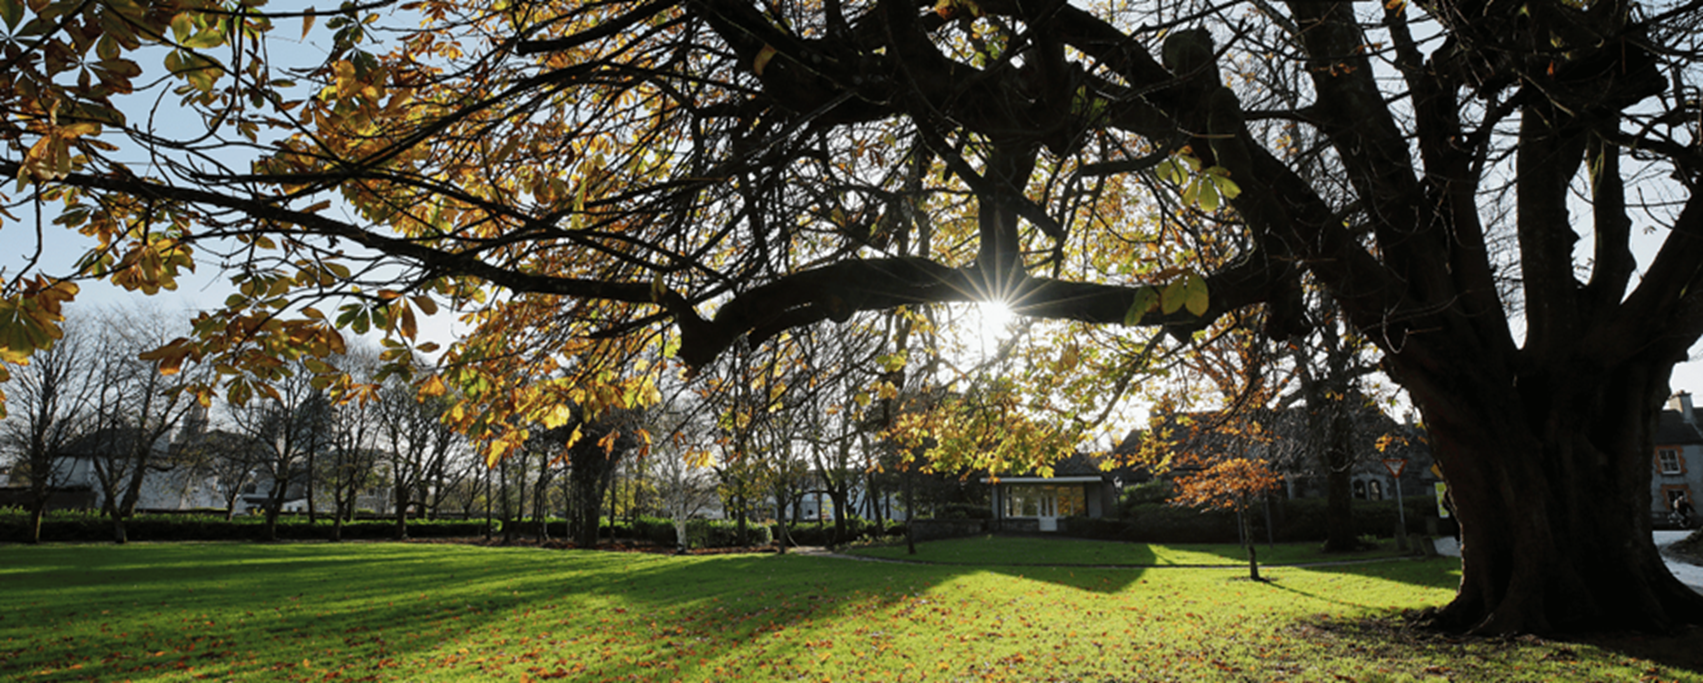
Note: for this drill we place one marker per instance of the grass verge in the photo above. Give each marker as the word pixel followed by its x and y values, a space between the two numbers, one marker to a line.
pixel 401 612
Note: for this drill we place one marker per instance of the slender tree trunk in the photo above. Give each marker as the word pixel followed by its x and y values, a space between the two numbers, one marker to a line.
pixel 1242 515
pixel 910 512
pixel 784 533
pixel 744 533
pixel 839 497
pixel 269 531
pixel 1551 484
pixel 337 523
pixel 508 520
pixel 541 499
pixel 119 535
pixel 610 483
pixel 400 494
pixel 38 510
pixel 312 476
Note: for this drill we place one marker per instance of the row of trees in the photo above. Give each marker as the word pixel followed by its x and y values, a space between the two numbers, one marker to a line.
pixel 90 405
pixel 754 440
pixel 90 392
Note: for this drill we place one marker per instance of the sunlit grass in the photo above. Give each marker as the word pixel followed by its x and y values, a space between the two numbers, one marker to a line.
pixel 1032 550
pixel 393 612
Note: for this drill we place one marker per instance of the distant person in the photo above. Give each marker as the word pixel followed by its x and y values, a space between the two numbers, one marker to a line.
pixel 1682 511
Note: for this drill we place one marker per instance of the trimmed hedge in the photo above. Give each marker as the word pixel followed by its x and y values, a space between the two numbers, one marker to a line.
pixel 702 533
pixel 963 511
pixel 824 533
pixel 92 527
pixel 1297 520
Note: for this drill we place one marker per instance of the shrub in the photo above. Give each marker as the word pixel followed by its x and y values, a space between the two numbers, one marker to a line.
pixel 827 533
pixel 703 533
pixel 1156 491
pixel 963 511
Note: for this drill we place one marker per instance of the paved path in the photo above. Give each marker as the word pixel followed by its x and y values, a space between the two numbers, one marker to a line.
pixel 1689 574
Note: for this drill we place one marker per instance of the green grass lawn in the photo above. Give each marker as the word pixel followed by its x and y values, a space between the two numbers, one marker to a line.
pixel 398 612
pixel 1033 550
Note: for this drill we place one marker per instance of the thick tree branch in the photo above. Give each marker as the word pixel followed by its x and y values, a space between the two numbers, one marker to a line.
pixel 837 291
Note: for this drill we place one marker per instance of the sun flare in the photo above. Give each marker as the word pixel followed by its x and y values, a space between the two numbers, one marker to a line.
pixel 990 320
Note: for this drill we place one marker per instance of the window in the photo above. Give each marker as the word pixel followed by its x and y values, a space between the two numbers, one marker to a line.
pixel 1023 501
pixel 1668 462
pixel 1072 502
pixel 1675 493
pixel 1045 501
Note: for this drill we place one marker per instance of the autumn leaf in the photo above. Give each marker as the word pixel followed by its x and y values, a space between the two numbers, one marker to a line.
pixel 762 60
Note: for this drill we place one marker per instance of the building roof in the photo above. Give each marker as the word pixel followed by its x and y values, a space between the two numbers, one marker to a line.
pixel 1673 430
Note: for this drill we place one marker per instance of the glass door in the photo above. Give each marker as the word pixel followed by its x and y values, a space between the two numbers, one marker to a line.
pixel 1049 508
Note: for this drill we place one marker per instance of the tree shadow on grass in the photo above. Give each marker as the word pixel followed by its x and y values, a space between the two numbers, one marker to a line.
pixel 1682 650
pixel 399 612
pixel 1393 641
pixel 375 612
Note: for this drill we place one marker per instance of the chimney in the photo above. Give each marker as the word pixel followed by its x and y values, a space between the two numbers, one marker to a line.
pixel 1682 403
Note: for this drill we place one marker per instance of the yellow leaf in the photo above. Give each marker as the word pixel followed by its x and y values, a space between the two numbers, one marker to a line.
pixel 557 415
pixel 433 386
pixel 409 327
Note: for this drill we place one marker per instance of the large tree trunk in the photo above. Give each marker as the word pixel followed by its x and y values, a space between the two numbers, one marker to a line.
pixel 1550 478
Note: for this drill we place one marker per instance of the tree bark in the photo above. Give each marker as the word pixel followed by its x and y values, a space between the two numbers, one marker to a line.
pixel 1339 481
pixel 1550 477
pixel 402 495
pixel 38 510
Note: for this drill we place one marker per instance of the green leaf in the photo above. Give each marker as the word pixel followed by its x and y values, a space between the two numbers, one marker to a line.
pixel 1227 187
pixel 1208 196
pixel 213 36
pixel 1195 295
pixel 105 48
pixel 182 26
pixel 1169 171
pixel 1171 300
pixel 893 362
pixel 1145 298
pixel 12 11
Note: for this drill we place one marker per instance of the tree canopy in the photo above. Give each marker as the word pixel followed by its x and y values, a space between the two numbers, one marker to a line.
pixel 585 180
